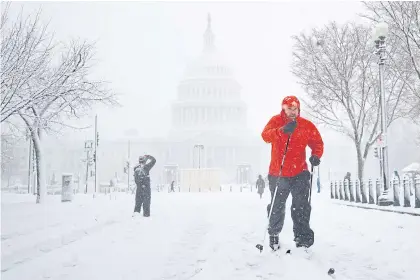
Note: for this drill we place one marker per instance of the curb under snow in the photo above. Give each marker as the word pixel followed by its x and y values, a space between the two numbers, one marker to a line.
pixel 398 210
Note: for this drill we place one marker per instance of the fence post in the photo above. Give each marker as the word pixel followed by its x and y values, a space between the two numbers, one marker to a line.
pixel 351 191
pixel 340 187
pixel 346 190
pixel 357 184
pixel 406 185
pixel 378 190
pixel 417 191
pixel 371 198
pixel 337 190
pixel 396 188
pixel 332 189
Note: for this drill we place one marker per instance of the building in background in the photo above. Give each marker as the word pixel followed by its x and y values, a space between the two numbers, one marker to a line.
pixel 209 126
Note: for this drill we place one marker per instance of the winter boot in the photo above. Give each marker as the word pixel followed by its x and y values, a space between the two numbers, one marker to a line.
pixel 274 242
pixel 303 243
pixel 135 214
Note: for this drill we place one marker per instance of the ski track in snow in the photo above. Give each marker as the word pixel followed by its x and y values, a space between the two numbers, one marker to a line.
pixel 199 236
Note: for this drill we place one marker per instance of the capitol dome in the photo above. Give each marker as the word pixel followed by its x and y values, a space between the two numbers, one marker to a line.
pixel 208 95
pixel 211 63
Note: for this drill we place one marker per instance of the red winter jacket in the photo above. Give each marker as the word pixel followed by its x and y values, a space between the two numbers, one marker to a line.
pixel 305 134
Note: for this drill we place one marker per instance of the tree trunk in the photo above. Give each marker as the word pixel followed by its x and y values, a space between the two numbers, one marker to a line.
pixel 41 193
pixel 360 170
pixel 360 161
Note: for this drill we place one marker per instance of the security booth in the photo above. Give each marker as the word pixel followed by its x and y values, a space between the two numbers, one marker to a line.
pixel 243 173
pixel 170 173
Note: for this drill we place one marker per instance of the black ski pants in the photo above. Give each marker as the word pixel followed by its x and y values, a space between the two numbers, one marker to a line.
pixel 300 209
pixel 143 197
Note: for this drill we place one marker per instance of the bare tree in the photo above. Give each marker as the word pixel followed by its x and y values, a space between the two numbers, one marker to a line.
pixel 403 19
pixel 69 92
pixel 26 53
pixel 337 68
pixel 42 93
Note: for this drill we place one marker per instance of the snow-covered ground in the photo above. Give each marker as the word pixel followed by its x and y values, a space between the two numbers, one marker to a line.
pixel 197 236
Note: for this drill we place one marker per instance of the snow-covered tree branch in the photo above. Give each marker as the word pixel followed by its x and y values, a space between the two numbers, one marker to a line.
pixel 337 67
pixel 26 52
pixel 43 92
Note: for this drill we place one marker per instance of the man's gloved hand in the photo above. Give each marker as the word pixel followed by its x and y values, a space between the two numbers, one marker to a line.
pixel 290 127
pixel 314 160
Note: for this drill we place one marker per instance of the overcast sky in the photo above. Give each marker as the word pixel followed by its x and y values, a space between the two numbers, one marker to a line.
pixel 143 49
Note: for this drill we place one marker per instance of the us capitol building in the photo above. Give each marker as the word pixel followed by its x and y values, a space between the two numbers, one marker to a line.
pixel 209 128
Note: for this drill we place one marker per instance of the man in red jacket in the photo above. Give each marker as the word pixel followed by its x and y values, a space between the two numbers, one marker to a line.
pixel 288 130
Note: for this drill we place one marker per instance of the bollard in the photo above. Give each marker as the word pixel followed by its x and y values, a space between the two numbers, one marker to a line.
pixel 417 192
pixel 378 190
pixel 332 189
pixel 337 190
pixel 371 197
pixel 396 188
pixel 189 189
pixel 346 190
pixel 406 185
pixel 230 188
pixel 351 188
pixel 241 189
pixel 363 192
pixel 199 189
pixel 357 186
pixel 340 190
pixel 67 188
pixel 220 188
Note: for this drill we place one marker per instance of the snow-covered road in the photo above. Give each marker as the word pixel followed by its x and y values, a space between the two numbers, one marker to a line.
pixel 197 236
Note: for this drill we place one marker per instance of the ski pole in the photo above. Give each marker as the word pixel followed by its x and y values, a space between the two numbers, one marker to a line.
pixel 261 246
pixel 310 188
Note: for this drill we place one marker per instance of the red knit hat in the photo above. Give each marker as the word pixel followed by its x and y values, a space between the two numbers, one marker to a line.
pixel 291 101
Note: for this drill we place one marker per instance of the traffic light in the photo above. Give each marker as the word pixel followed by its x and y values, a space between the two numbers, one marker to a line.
pixel 97 138
pixel 375 152
pixel 94 157
pixel 126 167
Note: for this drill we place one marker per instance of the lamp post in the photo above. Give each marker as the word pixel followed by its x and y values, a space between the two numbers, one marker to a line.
pixel 200 147
pixel 379 35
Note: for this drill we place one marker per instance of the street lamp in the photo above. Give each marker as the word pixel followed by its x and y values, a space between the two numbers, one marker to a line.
pixel 379 34
pixel 200 147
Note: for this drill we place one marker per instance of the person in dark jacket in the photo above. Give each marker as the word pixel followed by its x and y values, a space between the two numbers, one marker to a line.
pixel 288 129
pixel 260 185
pixel 347 177
pixel 142 180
